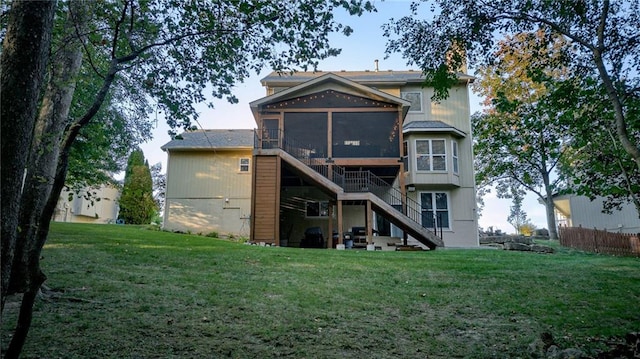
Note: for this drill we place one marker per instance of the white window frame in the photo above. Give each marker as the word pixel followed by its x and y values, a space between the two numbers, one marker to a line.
pixel 247 165
pixel 321 205
pixel 407 95
pixel 434 205
pixel 454 156
pixel 430 155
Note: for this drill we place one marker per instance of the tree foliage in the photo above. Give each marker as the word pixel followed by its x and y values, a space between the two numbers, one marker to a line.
pixel 595 164
pixel 601 36
pixel 172 53
pixel 517 216
pixel 137 205
pixel 159 185
pixel 519 139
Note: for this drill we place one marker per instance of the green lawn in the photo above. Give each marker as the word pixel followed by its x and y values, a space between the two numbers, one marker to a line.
pixel 128 292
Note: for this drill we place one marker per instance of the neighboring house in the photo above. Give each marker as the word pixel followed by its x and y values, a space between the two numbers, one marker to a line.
pixel 362 151
pixel 100 207
pixel 580 211
pixel 209 182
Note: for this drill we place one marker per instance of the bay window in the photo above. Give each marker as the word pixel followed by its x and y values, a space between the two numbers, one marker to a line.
pixel 431 155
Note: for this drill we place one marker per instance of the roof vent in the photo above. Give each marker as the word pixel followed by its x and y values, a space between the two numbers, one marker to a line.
pixel 376 62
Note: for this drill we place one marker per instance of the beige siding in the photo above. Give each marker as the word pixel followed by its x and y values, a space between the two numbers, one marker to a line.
pixel 208 175
pixel 464 229
pixel 454 110
pixel 79 209
pixel 206 192
pixel 209 215
pixel 391 91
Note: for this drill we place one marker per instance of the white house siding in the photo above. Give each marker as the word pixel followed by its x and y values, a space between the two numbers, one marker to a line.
pixel 206 192
pixel 589 214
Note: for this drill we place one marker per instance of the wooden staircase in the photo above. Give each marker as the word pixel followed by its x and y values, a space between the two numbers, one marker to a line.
pixel 317 173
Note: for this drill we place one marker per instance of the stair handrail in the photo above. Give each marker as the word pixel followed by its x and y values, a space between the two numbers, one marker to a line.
pixel 366 181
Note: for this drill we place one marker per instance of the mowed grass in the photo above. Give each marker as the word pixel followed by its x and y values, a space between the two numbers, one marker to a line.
pixel 128 292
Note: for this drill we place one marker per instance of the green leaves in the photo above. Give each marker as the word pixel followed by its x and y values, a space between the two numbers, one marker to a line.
pixel 581 39
pixel 200 49
pixel 596 165
pixel 520 137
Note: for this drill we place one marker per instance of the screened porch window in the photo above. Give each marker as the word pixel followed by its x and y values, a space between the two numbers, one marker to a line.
pixel 306 133
pixel 365 134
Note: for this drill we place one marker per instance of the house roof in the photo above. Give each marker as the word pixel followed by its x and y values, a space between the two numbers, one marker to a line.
pixel 368 78
pixel 305 84
pixel 211 139
pixel 431 126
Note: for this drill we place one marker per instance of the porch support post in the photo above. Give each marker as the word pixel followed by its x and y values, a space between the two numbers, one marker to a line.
pixel 330 235
pixel 369 223
pixel 401 178
pixel 340 228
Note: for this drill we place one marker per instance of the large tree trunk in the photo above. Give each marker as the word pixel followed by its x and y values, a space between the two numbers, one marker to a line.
pixel 551 217
pixel 43 159
pixel 550 207
pixel 24 57
pixel 42 170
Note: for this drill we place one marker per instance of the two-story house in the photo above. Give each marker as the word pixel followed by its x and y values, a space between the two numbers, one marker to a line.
pixel 365 152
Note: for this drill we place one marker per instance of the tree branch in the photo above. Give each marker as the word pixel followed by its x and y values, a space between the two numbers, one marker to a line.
pixel 602 25
pixel 114 42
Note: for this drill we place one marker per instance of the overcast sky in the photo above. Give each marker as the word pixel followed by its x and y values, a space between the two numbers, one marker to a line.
pixel 359 51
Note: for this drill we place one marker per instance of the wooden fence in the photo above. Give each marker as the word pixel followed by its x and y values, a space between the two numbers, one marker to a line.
pixel 597 241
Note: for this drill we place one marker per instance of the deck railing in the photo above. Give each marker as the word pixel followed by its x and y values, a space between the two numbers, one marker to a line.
pixel 349 181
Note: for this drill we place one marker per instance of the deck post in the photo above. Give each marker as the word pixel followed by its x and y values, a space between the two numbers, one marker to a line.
pixel 330 235
pixel 340 224
pixel 369 223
